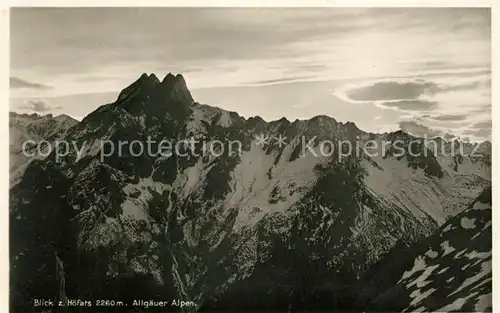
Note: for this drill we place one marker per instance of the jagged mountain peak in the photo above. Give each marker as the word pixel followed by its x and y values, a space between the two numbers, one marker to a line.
pixel 32 116
pixel 146 78
pixel 64 117
pixel 39 118
pixel 281 121
pixel 171 78
pixel 175 86
pixel 148 92
pixel 257 119
pixel 399 135
pixel 145 83
pixel 153 77
pixel 351 126
pixel 168 79
pixel 322 118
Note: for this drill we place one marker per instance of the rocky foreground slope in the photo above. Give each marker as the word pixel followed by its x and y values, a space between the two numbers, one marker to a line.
pixel 277 226
pixel 448 271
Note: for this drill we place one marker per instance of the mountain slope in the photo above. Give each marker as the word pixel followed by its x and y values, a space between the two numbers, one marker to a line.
pixel 273 226
pixel 449 271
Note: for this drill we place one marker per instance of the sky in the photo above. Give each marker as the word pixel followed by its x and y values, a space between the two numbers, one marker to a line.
pixel 424 70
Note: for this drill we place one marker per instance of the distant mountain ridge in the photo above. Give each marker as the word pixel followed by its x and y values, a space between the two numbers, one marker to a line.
pixel 269 228
pixel 33 127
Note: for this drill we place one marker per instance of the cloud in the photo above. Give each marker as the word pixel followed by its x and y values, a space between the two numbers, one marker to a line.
pixel 39 106
pixel 481 133
pixel 481 129
pixel 484 81
pixel 393 90
pixel 282 80
pixel 16 82
pixel 417 129
pixel 484 124
pixel 411 105
pixel 448 117
pixel 449 136
pixel 335 39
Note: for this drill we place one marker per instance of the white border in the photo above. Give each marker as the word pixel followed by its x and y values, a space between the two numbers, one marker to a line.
pixel 4 89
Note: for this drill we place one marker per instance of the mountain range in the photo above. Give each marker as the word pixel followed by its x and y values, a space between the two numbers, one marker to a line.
pixel 273 227
pixel 35 128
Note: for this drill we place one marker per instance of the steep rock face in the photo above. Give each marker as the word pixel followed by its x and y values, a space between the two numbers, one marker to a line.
pixel 39 230
pixel 449 271
pixel 24 127
pixel 271 225
pixel 307 256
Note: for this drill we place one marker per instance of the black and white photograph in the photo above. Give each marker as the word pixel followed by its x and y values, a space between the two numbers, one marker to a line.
pixel 250 159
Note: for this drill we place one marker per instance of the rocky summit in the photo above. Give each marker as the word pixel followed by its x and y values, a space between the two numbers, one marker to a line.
pixel 280 225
